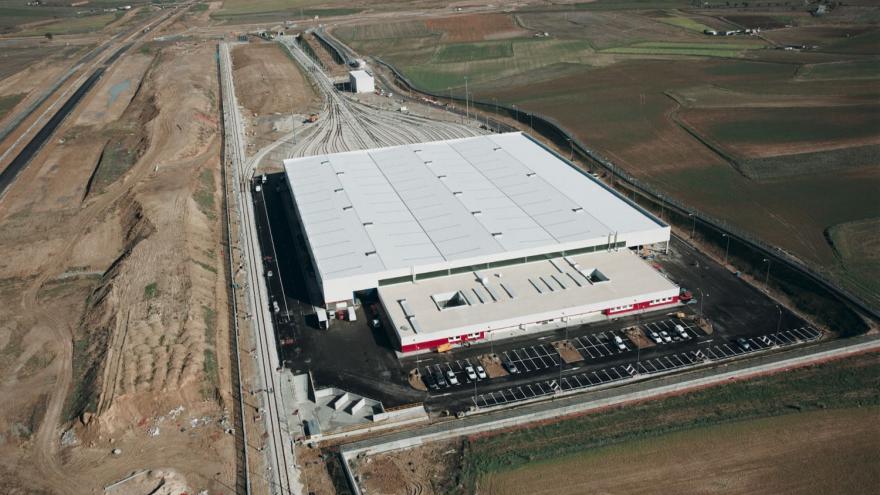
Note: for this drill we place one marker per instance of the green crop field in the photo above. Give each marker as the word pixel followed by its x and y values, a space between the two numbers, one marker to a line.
pixel 857 244
pixel 265 10
pixel 860 69
pixel 774 127
pixel 73 25
pixel 850 383
pixel 692 49
pixel 684 22
pixel 469 52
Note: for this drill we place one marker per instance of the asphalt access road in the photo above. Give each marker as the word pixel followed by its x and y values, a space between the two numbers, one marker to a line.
pixel 350 355
pixel 357 358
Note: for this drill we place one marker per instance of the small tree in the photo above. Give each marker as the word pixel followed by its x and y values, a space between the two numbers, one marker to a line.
pixel 48 36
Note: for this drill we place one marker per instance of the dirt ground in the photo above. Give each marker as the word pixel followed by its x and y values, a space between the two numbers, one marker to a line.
pixel 637 336
pixel 477 27
pixel 772 455
pixel 275 96
pixel 492 364
pixel 431 471
pixel 313 471
pixel 113 310
pixel 567 351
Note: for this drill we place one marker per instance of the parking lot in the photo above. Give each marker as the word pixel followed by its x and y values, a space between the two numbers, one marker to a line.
pixel 553 386
pixel 534 358
pixel 654 365
pixel 602 345
pixel 669 328
pixel 370 367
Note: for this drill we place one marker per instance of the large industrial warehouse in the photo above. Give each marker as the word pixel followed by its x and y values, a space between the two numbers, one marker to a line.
pixel 474 238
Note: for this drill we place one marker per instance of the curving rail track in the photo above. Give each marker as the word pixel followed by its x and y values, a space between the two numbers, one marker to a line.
pixel 347 124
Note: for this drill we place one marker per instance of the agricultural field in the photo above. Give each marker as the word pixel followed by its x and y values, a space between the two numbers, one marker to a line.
pixel 743 131
pixel 697 440
pixel 73 25
pixel 772 131
pixel 56 18
pixel 244 11
pixel 857 245
pixel 836 457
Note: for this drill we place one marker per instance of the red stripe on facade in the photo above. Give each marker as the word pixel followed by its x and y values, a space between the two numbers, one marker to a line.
pixel 433 344
pixel 641 305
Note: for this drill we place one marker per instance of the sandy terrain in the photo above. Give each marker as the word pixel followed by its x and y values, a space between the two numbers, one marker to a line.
pixel 268 82
pixel 432 471
pixel 770 455
pixel 274 94
pixel 119 88
pixel 112 305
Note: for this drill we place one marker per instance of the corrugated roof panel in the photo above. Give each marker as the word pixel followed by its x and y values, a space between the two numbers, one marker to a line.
pixel 412 208
pixel 537 286
pixel 509 290
pixel 471 299
pixel 407 311
pixel 492 292
pixel 414 323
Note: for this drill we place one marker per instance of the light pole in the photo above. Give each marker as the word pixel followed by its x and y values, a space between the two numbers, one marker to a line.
pixel 701 302
pixel 767 277
pixel 779 321
pixel 516 112
pixel 467 107
pixel 694 226
pixel 727 247
pixel 449 107
pixel 570 150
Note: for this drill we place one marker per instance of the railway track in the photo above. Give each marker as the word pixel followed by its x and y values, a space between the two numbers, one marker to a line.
pixel 281 474
pixel 347 125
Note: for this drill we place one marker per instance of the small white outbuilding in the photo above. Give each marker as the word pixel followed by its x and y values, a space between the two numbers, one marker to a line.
pixel 361 81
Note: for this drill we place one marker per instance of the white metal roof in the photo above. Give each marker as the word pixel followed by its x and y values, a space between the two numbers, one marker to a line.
pixel 521 293
pixel 444 202
pixel 361 75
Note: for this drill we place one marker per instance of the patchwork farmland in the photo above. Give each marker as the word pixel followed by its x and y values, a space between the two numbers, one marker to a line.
pixel 735 126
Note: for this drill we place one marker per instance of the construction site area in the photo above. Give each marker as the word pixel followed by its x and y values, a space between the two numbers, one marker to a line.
pixel 244 253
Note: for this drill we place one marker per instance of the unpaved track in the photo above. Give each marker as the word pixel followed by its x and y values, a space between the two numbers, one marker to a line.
pixel 47 443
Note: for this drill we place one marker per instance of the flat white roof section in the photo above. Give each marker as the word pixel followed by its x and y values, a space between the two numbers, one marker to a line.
pixel 393 212
pixel 630 281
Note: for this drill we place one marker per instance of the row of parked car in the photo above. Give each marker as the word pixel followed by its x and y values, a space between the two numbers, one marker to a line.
pixel 438 379
pixel 665 337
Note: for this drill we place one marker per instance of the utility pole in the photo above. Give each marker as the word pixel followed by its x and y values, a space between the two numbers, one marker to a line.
pixel 694 226
pixel 570 150
pixel 767 277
